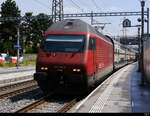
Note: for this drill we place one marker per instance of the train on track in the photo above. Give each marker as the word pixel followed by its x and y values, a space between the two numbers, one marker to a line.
pixel 146 57
pixel 74 56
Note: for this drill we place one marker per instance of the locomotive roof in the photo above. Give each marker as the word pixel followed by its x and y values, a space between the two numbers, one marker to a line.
pixel 76 25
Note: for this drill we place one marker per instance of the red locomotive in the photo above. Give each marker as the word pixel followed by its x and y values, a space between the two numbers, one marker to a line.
pixel 74 56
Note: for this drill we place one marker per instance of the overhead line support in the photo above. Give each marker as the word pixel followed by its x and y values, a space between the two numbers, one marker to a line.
pixel 59 16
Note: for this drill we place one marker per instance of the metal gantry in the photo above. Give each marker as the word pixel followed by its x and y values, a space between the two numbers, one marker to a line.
pixel 57 10
pixel 78 15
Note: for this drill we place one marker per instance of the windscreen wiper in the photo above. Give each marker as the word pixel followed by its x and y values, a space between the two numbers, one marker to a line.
pixel 73 53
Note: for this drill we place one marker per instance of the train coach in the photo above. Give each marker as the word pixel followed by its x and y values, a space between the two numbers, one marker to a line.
pixel 73 57
pixel 146 57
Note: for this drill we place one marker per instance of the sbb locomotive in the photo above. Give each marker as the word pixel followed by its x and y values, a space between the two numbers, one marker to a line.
pixel 73 56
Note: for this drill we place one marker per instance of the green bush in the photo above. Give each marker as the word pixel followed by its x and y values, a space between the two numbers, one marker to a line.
pixel 8 64
pixel 28 49
pixel 1 65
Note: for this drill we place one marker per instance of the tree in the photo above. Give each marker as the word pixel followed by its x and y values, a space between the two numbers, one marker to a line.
pixel 8 28
pixel 37 27
pixel 31 28
pixel 26 26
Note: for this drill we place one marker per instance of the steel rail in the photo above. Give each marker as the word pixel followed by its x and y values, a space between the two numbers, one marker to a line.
pixel 16 85
pixel 68 106
pixel 18 91
pixel 34 105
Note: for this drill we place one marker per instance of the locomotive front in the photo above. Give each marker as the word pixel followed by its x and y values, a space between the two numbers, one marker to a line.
pixel 60 62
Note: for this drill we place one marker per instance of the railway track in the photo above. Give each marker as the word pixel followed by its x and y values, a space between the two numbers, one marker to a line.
pixel 11 90
pixel 4 88
pixel 68 106
pixel 31 106
pixel 36 105
pixel 45 105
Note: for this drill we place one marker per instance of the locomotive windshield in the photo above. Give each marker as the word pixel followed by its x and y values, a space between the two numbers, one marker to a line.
pixel 64 43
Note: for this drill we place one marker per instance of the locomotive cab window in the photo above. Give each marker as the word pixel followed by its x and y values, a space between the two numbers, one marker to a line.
pixel 64 43
pixel 92 44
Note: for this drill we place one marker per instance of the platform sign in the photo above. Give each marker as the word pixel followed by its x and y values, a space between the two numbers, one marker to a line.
pixel 17 47
pixel 126 23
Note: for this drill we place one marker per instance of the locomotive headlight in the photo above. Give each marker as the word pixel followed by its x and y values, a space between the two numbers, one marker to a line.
pixel 44 68
pixel 76 70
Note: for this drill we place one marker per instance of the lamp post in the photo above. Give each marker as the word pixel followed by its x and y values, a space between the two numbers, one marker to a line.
pixel 18 44
pixel 24 40
pixel 139 46
pixel 142 16
pixel 142 34
pixel 147 20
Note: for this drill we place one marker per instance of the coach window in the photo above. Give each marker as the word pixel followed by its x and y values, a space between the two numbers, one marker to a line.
pixel 92 44
pixel 115 50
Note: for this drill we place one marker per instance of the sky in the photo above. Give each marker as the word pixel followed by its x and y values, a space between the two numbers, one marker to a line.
pixel 80 6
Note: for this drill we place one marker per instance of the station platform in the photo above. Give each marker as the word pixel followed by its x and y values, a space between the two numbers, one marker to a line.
pixel 120 93
pixel 13 75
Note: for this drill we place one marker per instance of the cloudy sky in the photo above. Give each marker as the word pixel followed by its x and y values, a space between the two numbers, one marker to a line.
pixel 80 6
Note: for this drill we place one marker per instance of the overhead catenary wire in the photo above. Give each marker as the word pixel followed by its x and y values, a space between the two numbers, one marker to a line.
pixel 77 5
pixel 97 8
pixel 42 4
pixel 101 9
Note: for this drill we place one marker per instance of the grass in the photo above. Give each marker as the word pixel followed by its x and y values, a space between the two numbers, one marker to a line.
pixel 8 64
pixel 30 55
pixel 26 63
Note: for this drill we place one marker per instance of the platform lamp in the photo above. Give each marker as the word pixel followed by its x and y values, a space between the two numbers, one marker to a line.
pixel 24 41
pixel 18 44
pixel 142 35
pixel 139 47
